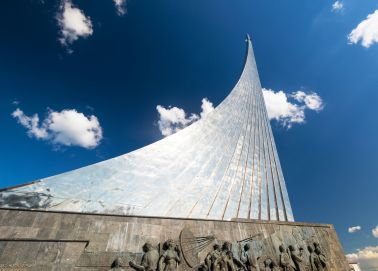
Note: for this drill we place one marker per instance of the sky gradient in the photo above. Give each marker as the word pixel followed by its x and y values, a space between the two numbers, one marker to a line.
pixel 175 53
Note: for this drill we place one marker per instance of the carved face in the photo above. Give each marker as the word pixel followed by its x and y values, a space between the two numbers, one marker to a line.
pixel 282 248
pixel 170 243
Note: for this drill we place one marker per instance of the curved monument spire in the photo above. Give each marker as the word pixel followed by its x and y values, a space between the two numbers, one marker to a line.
pixel 223 166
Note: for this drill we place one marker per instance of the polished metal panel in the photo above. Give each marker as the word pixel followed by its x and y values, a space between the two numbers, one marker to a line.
pixel 223 166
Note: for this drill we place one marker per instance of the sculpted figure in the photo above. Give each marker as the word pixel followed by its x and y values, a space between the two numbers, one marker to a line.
pixel 227 261
pixel 171 258
pixel 248 259
pixel 312 258
pixel 320 259
pixel 149 260
pixel 212 259
pixel 297 259
pixel 285 260
pixel 116 265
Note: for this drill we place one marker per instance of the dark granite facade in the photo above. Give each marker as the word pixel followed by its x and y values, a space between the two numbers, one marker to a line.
pixel 41 240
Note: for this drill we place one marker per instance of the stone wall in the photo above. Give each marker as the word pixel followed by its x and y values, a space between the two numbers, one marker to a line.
pixel 40 240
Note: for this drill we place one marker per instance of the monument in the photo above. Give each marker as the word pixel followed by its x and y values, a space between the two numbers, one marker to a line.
pixel 210 197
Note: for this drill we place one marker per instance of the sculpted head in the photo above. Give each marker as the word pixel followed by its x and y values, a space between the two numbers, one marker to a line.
pixel 216 247
pixel 267 262
pixel 247 247
pixel 282 248
pixel 310 249
pixel 170 244
pixel 226 246
pixel 291 248
pixel 147 247
pixel 117 263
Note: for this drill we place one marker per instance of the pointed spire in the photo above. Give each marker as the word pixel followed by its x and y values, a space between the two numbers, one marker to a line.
pixel 248 39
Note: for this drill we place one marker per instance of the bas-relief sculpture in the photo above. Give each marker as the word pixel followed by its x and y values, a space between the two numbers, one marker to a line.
pixel 149 261
pixel 227 256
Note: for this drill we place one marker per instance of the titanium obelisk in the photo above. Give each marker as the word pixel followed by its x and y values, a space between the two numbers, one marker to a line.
pixel 193 201
pixel 223 166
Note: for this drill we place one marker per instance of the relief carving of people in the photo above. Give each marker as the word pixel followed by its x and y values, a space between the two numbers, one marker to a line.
pixel 149 260
pixel 212 259
pixel 229 260
pixel 285 260
pixel 171 257
pixel 297 259
pixel 320 259
pixel 249 259
pixel 312 258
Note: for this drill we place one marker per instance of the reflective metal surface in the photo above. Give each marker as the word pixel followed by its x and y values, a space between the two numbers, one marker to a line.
pixel 223 166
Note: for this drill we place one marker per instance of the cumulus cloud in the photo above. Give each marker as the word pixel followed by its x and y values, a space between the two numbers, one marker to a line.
pixel 337 6
pixel 354 229
pixel 289 109
pixel 173 119
pixel 120 6
pixel 206 107
pixel 73 23
pixel 67 127
pixel 375 232
pixel 30 123
pixel 366 257
pixel 366 31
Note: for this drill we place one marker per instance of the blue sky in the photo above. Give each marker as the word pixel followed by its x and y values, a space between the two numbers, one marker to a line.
pixel 108 67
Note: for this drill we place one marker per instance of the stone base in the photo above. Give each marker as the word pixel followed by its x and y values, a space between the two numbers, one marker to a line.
pixel 41 240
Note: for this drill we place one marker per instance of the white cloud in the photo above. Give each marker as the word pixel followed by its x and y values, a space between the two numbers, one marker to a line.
pixel 366 257
pixel 120 6
pixel 73 23
pixel 366 31
pixel 206 107
pixel 67 127
pixel 30 123
pixel 311 100
pixel 375 232
pixel 354 229
pixel 337 6
pixel 288 112
pixel 173 119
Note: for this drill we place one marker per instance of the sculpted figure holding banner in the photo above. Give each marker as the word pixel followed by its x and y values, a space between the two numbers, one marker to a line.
pixel 149 260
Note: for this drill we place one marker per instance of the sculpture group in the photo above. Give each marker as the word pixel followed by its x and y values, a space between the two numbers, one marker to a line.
pixel 238 256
